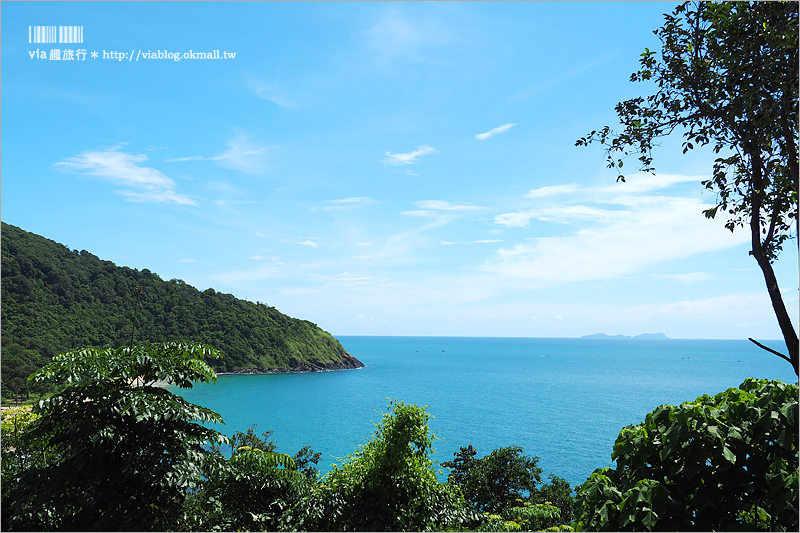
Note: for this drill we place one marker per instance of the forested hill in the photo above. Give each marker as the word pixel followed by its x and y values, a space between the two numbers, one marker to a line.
pixel 55 300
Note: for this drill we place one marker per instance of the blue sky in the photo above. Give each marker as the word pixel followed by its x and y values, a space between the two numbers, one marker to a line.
pixel 376 168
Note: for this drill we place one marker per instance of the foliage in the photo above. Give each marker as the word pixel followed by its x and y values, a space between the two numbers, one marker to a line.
pixel 559 494
pixel 56 300
pixel 126 451
pixel 305 459
pixel 495 482
pixel 388 484
pixel 727 77
pixel 17 364
pixel 18 452
pixel 249 439
pixel 723 462
pixel 533 517
pixel 249 492
pixel 495 522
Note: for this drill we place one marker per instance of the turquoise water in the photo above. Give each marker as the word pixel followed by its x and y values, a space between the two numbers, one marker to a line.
pixel 564 400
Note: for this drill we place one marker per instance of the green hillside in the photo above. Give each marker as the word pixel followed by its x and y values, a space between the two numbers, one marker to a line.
pixel 55 300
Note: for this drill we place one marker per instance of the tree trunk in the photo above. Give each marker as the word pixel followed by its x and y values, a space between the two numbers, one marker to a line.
pixel 785 323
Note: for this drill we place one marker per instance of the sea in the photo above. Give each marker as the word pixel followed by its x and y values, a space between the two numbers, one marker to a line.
pixel 562 400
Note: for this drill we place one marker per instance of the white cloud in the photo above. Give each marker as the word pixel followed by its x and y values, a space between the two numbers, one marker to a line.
pixel 144 184
pixel 552 190
pixel 691 277
pixel 396 37
pixel 501 129
pixel 243 156
pixel 189 158
pixel 347 204
pixel 620 231
pixel 441 210
pixel 485 241
pixel 446 206
pixel 408 158
pixel 518 219
pixel 309 243
pixel 272 92
pixel 419 213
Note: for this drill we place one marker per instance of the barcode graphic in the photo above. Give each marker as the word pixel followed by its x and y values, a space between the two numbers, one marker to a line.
pixel 49 34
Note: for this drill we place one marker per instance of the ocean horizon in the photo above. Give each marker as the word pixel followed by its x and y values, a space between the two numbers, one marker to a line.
pixel 564 400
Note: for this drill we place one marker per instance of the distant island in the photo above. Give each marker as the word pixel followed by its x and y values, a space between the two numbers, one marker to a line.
pixel 643 336
pixel 56 300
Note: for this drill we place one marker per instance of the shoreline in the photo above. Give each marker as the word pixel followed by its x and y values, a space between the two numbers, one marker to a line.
pixel 255 371
pixel 296 367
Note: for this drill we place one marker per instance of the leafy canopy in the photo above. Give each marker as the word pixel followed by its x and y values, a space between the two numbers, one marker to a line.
pixel 721 462
pixel 388 484
pixel 497 481
pixel 126 451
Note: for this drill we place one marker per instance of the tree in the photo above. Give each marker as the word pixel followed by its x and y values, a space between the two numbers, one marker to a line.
pixel 386 485
pixel 559 494
pixel 727 77
pixel 249 439
pixel 252 491
pixel 716 464
pixel 125 450
pixel 497 481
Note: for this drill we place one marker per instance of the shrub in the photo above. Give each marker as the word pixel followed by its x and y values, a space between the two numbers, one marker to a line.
pixel 727 461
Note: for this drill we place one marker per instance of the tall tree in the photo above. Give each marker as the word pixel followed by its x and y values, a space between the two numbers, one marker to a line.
pixel 124 451
pixel 727 77
pixel 497 481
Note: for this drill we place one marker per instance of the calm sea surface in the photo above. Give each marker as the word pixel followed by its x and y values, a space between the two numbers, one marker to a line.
pixel 564 400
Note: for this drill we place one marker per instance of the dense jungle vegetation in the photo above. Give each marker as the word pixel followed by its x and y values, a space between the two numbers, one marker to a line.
pixel 111 451
pixel 56 300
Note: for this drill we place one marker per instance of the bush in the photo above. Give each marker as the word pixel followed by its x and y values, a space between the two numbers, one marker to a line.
pixel 389 484
pixel 723 462
pixel 122 453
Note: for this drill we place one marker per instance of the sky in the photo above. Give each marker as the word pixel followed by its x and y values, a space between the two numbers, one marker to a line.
pixel 383 168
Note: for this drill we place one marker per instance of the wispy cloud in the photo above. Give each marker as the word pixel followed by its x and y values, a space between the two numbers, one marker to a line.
pixel 348 204
pixel 273 92
pixel 396 37
pixel 491 133
pixel 620 231
pixel 143 184
pixel 408 158
pixel 190 158
pixel 440 209
pixel 552 190
pixel 691 277
pixel 447 206
pixel 242 155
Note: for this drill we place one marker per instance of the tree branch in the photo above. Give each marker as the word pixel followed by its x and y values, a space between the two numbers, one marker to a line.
pixel 771 233
pixel 769 349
